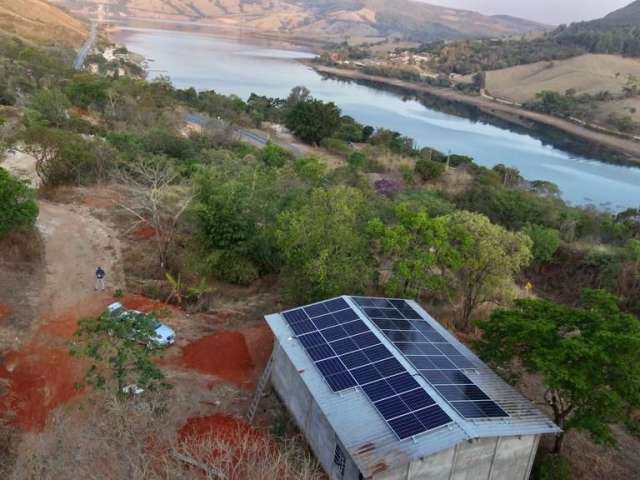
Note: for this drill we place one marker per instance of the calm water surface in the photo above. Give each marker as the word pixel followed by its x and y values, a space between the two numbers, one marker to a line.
pixel 242 66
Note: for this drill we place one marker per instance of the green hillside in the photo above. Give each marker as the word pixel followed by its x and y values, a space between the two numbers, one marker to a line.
pixel 618 32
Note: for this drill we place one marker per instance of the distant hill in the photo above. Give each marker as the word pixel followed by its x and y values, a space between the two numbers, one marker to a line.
pixel 41 22
pixel 329 19
pixel 617 32
pixel 628 16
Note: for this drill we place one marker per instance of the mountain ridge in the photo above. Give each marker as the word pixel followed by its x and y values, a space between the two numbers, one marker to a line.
pixel 331 19
pixel 41 22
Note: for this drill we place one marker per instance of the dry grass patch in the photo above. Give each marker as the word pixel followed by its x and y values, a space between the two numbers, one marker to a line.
pixel 586 74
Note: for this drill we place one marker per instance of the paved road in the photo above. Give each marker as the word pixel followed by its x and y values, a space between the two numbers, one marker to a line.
pixel 246 135
pixel 86 48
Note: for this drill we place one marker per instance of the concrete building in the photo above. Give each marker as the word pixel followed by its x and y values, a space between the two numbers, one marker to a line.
pixel 352 440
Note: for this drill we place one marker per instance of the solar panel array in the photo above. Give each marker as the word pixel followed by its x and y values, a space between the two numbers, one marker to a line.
pixel 439 362
pixel 348 355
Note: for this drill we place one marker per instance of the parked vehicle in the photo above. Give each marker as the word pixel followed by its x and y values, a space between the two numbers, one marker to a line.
pixel 163 335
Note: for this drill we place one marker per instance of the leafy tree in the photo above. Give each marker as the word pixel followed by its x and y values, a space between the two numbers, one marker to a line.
pixel 120 351
pixel 18 208
pixel 323 245
pixel 357 160
pixel 88 90
pixel 311 169
pixel 428 169
pixel 412 247
pixel 274 155
pixel 236 206
pixel 63 157
pixel 482 260
pixel 298 94
pixel 588 358
pixel 52 106
pixel 546 242
pixel 313 120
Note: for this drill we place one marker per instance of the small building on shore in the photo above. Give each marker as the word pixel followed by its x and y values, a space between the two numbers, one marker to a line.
pixel 382 391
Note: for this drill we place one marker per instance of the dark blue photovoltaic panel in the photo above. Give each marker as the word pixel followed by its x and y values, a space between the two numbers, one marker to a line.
pixel 365 340
pixel 302 327
pixel 325 321
pixel 432 417
pixel 334 333
pixel 316 310
pixel 320 352
pixel 366 374
pixel 295 316
pixel 392 407
pixel 378 390
pixel 403 383
pixel 354 328
pixel 377 353
pixel 331 366
pixel 437 360
pixel 407 426
pixel 389 367
pixel 354 359
pixel 417 399
pixel 345 345
pixel 341 381
pixel 348 355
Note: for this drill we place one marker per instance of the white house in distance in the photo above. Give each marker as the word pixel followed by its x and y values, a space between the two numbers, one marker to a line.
pixel 382 391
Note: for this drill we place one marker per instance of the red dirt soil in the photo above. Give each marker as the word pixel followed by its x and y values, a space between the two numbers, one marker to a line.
pixel 259 342
pixel 144 233
pixel 228 429
pixel 39 380
pixel 4 311
pixel 226 433
pixel 142 304
pixel 223 354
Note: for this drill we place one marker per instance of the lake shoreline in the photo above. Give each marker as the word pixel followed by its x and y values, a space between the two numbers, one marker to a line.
pixel 628 151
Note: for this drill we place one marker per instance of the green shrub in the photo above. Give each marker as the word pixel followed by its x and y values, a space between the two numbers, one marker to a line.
pixel 546 242
pixel 335 145
pixel 18 208
pixel 552 467
pixel 429 170
pixel 274 155
pixel 311 168
pixel 232 268
pixel 357 160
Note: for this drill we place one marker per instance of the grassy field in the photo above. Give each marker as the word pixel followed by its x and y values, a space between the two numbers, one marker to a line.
pixel 41 22
pixel 585 74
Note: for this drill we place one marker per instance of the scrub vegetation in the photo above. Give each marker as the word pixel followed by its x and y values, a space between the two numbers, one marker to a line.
pixel 386 217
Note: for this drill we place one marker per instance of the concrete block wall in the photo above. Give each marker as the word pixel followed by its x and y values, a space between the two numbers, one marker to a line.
pixel 495 458
pixel 308 417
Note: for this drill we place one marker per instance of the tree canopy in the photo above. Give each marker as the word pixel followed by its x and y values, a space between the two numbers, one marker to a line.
pixel 323 245
pixel 588 358
pixel 461 256
pixel 312 120
pixel 18 208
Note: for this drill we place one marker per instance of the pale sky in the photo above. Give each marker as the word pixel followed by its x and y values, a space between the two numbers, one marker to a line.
pixel 546 11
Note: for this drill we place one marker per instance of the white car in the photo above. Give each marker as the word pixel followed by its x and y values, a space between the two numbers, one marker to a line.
pixel 164 335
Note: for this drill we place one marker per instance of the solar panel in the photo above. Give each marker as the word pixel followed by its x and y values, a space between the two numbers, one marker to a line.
pixel 437 360
pixel 348 355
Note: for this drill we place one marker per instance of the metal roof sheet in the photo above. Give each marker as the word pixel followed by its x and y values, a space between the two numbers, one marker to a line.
pixel 366 435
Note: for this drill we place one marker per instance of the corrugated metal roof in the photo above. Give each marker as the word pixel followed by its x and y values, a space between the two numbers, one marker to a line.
pixel 366 435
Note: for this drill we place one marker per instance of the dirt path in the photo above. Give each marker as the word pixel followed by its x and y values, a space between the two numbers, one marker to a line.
pixel 37 374
pixel 628 147
pixel 76 243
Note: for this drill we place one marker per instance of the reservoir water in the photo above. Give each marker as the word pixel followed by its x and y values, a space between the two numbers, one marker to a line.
pixel 240 66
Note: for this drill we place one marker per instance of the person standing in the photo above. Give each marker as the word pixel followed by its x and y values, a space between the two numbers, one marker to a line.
pixel 100 276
